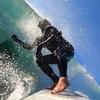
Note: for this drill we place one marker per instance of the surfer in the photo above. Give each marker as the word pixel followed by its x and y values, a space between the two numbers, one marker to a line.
pixel 62 52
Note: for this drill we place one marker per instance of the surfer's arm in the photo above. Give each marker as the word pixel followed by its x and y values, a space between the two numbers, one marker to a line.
pixel 23 44
pixel 46 41
pixel 41 45
pixel 38 52
pixel 37 41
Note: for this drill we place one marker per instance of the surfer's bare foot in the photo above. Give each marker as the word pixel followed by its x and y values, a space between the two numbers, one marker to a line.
pixel 53 86
pixel 62 84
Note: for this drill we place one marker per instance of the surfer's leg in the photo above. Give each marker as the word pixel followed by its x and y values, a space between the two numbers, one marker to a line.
pixel 62 66
pixel 44 62
pixel 63 80
pixel 63 57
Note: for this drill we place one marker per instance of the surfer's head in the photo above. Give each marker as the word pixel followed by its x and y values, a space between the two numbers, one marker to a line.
pixel 43 24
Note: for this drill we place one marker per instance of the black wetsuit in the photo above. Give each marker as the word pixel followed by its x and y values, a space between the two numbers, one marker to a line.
pixel 62 51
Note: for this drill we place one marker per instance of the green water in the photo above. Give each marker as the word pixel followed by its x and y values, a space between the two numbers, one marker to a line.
pixel 14 16
pixel 18 69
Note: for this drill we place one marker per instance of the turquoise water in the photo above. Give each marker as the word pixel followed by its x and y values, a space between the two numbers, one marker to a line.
pixel 18 71
pixel 15 16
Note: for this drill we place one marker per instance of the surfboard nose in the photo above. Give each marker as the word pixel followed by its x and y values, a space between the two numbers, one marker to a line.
pixel 46 95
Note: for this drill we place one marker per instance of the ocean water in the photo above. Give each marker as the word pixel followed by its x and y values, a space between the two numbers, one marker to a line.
pixel 17 17
pixel 19 74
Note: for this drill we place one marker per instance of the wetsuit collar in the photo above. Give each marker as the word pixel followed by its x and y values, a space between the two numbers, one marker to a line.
pixel 43 31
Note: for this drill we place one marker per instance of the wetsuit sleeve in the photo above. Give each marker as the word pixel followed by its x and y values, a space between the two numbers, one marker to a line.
pixel 40 46
pixel 43 44
pixel 23 44
pixel 38 52
pixel 38 41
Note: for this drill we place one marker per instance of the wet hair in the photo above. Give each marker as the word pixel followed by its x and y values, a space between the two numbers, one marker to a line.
pixel 44 23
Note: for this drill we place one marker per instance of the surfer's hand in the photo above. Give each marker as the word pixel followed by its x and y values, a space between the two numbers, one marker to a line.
pixel 38 56
pixel 38 52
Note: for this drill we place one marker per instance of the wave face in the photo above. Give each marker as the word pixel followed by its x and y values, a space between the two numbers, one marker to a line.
pixel 18 71
pixel 16 17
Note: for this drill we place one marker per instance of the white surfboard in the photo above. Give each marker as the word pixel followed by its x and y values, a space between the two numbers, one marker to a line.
pixel 46 95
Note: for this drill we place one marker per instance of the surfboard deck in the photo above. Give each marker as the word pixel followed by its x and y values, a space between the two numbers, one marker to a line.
pixel 46 95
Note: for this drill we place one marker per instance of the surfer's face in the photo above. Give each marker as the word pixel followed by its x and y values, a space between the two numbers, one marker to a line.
pixel 41 26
